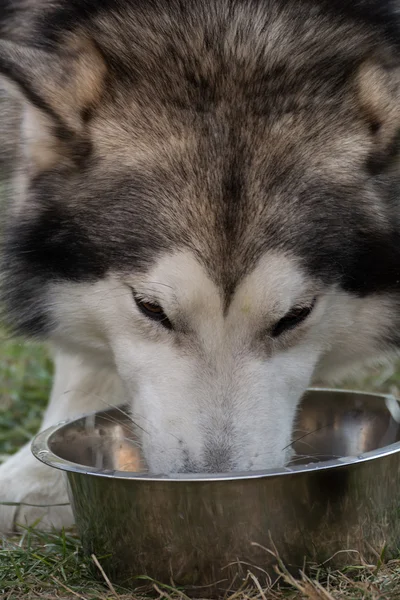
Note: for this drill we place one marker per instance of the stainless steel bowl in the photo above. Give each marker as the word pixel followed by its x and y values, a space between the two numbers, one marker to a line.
pixel 337 505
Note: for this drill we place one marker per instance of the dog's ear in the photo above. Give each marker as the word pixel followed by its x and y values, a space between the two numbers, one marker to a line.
pixel 57 90
pixel 378 86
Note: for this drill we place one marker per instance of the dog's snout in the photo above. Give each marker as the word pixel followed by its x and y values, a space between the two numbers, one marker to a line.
pixel 218 459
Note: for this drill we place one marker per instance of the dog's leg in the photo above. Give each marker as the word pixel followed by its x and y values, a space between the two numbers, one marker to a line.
pixel 78 388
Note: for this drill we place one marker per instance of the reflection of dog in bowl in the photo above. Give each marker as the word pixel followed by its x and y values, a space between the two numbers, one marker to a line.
pixel 204 216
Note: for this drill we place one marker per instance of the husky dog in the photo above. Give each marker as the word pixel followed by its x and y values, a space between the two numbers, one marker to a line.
pixel 203 216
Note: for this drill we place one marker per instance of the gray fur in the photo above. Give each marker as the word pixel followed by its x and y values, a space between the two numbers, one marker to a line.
pixel 241 109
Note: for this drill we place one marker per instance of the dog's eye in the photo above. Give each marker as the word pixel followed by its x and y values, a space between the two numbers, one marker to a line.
pixel 153 311
pixel 294 317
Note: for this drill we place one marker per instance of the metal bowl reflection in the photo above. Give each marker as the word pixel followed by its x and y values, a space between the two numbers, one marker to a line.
pixel 338 502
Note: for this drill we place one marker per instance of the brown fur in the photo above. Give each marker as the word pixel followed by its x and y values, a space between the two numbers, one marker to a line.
pixel 226 133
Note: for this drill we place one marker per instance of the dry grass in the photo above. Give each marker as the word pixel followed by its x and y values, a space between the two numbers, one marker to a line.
pixel 48 566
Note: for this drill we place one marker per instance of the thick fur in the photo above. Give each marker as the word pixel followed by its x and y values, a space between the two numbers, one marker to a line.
pixel 229 160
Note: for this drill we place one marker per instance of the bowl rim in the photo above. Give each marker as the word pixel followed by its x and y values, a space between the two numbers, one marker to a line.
pixel 41 450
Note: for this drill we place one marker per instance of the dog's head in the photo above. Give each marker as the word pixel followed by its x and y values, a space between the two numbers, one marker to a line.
pixel 209 203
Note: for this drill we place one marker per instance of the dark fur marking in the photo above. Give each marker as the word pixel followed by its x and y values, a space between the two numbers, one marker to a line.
pixel 25 313
pixel 56 246
pixel 368 265
pixel 86 114
pixel 374 13
pixel 19 78
pixel 379 161
pixel 375 127
pixel 98 218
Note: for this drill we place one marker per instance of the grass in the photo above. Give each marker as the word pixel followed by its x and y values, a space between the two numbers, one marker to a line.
pixel 25 380
pixel 36 565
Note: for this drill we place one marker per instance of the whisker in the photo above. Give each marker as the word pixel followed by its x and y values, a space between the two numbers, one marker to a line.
pixel 314 456
pixel 305 435
pixel 110 406
pixel 129 416
pixel 159 283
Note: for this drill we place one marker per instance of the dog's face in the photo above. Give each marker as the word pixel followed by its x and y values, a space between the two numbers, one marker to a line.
pixel 216 219
pixel 213 384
